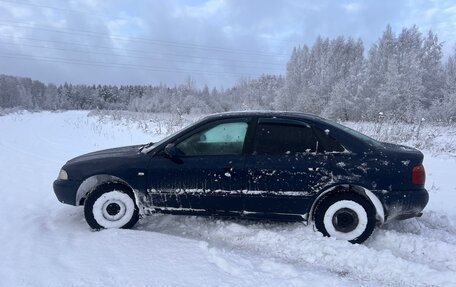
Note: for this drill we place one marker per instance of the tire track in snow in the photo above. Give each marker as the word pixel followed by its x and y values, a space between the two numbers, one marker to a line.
pixel 13 150
pixel 433 253
pixel 429 240
pixel 432 225
pixel 299 245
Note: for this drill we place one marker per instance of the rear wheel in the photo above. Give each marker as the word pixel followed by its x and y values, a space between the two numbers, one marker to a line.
pixel 111 205
pixel 347 216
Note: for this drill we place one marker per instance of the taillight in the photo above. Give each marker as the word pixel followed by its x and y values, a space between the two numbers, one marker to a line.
pixel 418 175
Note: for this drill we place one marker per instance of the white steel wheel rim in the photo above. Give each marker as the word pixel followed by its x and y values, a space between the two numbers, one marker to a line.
pixel 102 209
pixel 354 207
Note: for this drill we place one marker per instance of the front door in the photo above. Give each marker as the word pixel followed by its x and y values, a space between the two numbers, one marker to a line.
pixel 208 172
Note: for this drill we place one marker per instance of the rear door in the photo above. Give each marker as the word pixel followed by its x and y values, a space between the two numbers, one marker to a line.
pixel 285 167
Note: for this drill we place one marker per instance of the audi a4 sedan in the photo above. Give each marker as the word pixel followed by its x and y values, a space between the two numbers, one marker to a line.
pixel 277 165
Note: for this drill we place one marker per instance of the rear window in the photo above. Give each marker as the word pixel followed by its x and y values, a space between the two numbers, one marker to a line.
pixel 356 134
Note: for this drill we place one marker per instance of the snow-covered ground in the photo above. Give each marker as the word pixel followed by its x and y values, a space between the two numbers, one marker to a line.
pixel 46 243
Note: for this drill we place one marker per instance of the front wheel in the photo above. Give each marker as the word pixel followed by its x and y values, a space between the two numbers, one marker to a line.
pixel 111 205
pixel 347 216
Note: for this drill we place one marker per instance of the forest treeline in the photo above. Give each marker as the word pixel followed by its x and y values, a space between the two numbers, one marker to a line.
pixel 401 77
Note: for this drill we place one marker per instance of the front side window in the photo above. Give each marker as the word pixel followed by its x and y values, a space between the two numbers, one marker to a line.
pixel 221 139
pixel 274 139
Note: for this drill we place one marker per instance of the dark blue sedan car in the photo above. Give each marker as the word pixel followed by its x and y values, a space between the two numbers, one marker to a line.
pixel 253 164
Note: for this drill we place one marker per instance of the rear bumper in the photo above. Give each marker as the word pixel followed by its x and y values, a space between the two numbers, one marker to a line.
pixel 401 205
pixel 66 190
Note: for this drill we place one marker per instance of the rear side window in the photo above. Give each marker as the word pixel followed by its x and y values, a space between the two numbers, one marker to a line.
pixel 271 138
pixel 328 143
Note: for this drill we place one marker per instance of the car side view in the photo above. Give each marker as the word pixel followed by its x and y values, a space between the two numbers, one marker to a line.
pixel 253 164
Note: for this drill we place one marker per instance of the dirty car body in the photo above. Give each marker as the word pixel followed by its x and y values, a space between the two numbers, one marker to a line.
pixel 255 164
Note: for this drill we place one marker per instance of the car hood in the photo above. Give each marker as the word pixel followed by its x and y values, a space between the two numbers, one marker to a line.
pixel 126 151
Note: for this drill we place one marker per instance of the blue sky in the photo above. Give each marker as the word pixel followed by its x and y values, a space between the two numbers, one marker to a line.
pixel 214 42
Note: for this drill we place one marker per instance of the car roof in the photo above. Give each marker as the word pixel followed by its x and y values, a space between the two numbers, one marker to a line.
pixel 263 113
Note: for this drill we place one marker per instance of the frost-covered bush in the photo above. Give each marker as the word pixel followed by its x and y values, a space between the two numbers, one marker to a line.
pixel 151 123
pixel 434 137
pixel 6 111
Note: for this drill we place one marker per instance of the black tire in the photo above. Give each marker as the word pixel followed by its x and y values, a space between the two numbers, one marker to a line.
pixel 345 215
pixel 111 205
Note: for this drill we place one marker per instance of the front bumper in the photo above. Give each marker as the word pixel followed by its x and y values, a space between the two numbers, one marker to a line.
pixel 401 205
pixel 66 190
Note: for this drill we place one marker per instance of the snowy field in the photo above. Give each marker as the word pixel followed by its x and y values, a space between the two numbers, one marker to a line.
pixel 46 243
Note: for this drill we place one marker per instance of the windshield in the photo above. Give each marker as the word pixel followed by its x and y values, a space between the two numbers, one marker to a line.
pixel 150 146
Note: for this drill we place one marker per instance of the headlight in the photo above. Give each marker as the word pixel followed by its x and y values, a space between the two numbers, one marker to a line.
pixel 63 175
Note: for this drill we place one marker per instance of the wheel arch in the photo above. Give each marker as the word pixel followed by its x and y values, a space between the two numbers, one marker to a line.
pixel 369 195
pixel 92 182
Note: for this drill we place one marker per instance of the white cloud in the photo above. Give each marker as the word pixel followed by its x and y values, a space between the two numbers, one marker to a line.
pixel 353 7
pixel 16 11
pixel 11 32
pixel 85 3
pixel 204 10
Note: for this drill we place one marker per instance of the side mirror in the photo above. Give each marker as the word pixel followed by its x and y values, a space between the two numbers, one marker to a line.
pixel 170 150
